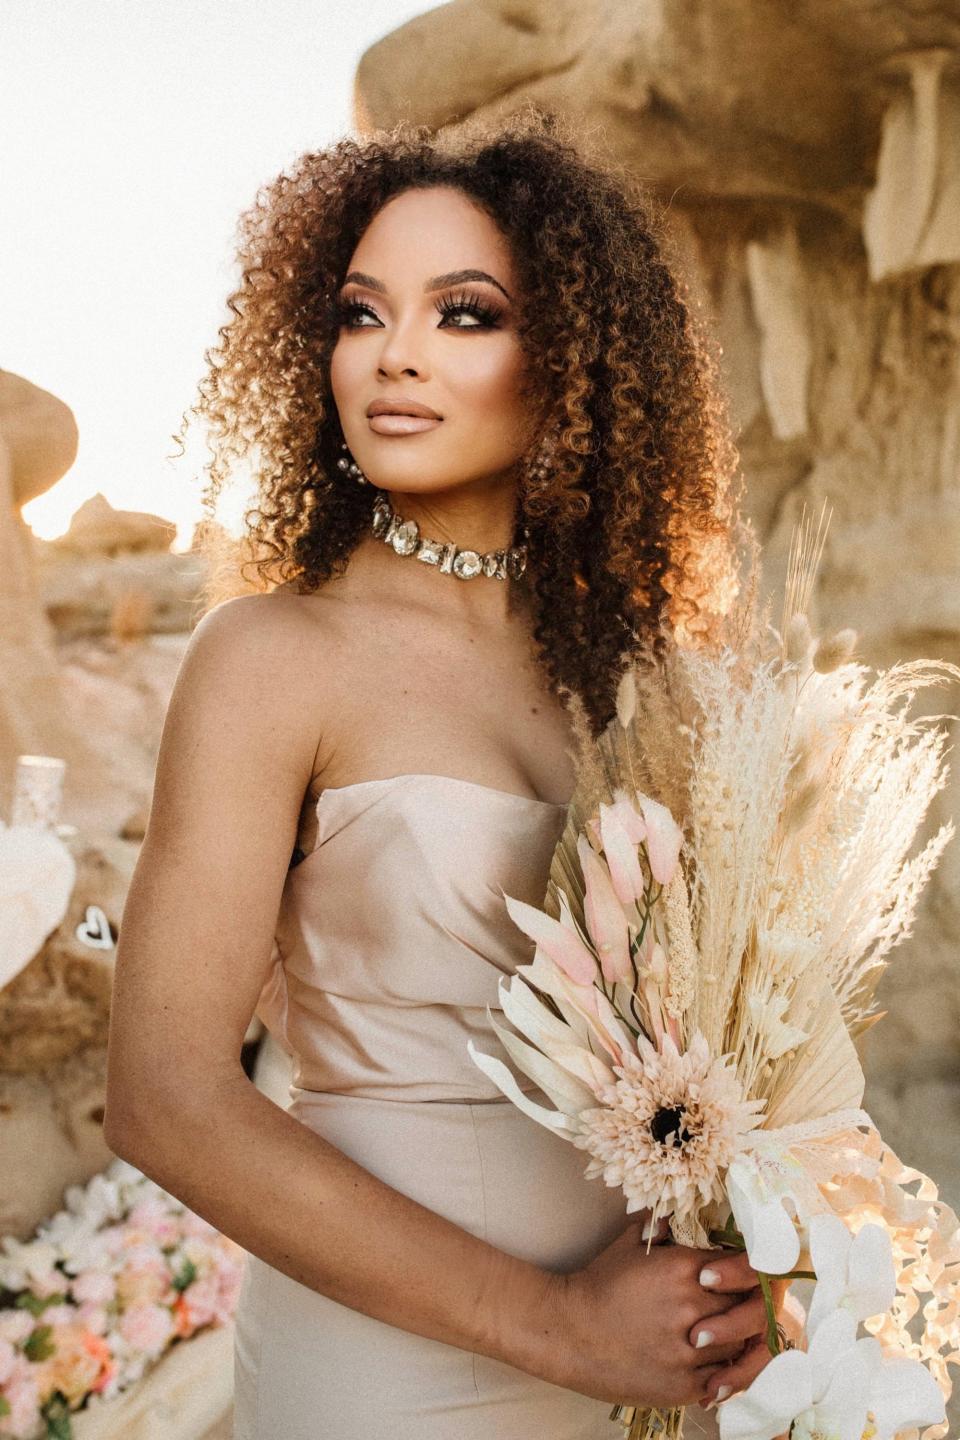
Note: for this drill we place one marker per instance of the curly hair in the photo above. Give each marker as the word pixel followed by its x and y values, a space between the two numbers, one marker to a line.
pixel 633 527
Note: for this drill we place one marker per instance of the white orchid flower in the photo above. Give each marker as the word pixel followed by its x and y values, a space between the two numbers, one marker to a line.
pixel 832 1391
pixel 904 1395
pixel 854 1272
pixel 757 1186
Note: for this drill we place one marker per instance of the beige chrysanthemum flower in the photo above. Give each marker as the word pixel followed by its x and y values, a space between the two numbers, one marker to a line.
pixel 668 1127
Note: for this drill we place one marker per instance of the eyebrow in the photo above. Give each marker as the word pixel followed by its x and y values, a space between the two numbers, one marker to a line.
pixel 436 282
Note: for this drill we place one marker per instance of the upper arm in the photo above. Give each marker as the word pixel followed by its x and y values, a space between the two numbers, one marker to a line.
pixel 196 937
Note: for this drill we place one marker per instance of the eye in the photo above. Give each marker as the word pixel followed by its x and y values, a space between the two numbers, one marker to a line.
pixel 349 308
pixel 487 315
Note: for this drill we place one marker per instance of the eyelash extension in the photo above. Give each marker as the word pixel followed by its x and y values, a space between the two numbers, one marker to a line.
pixel 472 305
pixel 448 305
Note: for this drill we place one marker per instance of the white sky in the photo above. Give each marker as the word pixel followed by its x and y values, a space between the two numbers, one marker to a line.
pixel 134 134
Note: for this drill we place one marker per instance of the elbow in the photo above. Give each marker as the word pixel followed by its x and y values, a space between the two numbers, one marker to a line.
pixel 120 1132
pixel 130 1114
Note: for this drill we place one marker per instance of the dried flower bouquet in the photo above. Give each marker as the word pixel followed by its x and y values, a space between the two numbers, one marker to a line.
pixel 732 877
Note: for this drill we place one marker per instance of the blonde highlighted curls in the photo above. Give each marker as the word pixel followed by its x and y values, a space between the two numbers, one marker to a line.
pixel 632 529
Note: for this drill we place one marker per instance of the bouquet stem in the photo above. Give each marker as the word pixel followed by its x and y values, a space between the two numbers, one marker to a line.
pixel 643 1423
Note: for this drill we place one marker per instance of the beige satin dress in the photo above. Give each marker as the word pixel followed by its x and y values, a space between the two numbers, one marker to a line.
pixel 391 936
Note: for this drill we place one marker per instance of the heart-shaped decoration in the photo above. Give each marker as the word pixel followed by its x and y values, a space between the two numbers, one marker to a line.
pixel 94 929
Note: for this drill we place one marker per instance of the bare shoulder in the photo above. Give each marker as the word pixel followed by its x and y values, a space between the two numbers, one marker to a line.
pixel 272 646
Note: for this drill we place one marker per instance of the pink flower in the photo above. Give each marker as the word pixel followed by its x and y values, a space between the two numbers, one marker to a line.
pixel 147 1281
pixel 604 916
pixel 230 1284
pixel 8 1357
pixel 23 1397
pixel 668 1128
pixel 201 1300
pixel 620 849
pixel 154 1216
pixel 75 1364
pixel 96 1285
pixel 15 1325
pixel 664 838
pixel 147 1327
pixel 94 1317
pixel 561 944
pixel 192 1224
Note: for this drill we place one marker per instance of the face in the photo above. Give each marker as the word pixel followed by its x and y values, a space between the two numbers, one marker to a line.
pixel 411 331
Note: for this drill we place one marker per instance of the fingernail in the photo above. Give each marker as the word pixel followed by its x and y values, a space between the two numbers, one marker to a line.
pixel 724 1391
pixel 709 1277
pixel 704 1338
pixel 647 1231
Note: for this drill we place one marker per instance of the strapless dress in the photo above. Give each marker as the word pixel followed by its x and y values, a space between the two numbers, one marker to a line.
pixel 391 936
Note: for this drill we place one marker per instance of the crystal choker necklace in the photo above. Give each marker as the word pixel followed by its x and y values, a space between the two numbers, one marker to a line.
pixel 404 536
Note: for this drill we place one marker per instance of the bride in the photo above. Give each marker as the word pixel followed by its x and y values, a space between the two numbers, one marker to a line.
pixel 491 455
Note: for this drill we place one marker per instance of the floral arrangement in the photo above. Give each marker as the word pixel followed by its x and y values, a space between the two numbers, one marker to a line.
pixel 721 905
pixel 103 1289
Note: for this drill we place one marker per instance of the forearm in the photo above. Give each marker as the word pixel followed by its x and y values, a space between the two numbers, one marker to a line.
pixel 290 1197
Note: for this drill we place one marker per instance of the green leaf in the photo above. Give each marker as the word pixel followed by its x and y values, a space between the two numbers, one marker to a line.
pixel 56 1412
pixel 186 1277
pixel 38 1344
pixel 36 1304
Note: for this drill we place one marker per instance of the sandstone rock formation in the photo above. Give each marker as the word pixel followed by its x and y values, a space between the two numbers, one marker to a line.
pixel 38 441
pixel 98 529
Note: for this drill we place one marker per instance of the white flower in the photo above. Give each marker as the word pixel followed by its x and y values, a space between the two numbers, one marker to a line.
pixel 767 1176
pixel 854 1272
pixel 758 1182
pixel 829 1391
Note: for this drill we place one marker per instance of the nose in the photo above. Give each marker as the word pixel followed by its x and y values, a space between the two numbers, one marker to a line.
pixel 400 353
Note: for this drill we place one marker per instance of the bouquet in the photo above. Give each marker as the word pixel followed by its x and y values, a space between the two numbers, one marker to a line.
pixel 731 879
pixel 105 1287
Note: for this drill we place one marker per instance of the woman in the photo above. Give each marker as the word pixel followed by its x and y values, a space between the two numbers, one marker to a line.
pixel 482 338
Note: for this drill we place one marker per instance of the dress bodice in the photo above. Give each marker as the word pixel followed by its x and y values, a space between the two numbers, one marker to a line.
pixel 392 934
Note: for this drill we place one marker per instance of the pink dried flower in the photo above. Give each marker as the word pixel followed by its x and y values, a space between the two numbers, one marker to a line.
pixel 668 1128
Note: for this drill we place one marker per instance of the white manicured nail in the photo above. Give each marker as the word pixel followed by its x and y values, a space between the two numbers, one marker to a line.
pixel 704 1338
pixel 724 1391
pixel 709 1277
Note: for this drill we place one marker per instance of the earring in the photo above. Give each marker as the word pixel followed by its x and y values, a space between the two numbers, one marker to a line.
pixel 350 466
pixel 539 468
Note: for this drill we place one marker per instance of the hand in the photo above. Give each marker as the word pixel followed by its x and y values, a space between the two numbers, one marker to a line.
pixel 755 1354
pixel 626 1324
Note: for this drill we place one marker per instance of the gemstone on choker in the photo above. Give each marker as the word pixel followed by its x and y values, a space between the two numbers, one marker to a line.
pixel 404 536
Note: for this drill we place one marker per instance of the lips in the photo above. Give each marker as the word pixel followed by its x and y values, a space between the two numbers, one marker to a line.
pixel 401 406
pixel 390 423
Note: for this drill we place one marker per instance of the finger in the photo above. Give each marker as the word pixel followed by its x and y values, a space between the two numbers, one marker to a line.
pixel 726 1273
pixel 660 1231
pixel 742 1321
pixel 741 1373
pixel 715 1357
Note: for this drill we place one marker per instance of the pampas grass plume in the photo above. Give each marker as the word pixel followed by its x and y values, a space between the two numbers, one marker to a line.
pixel 833 651
pixel 626 698
pixel 798 639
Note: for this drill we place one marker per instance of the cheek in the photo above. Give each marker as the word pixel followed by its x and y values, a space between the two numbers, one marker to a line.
pixel 489 376
pixel 344 374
